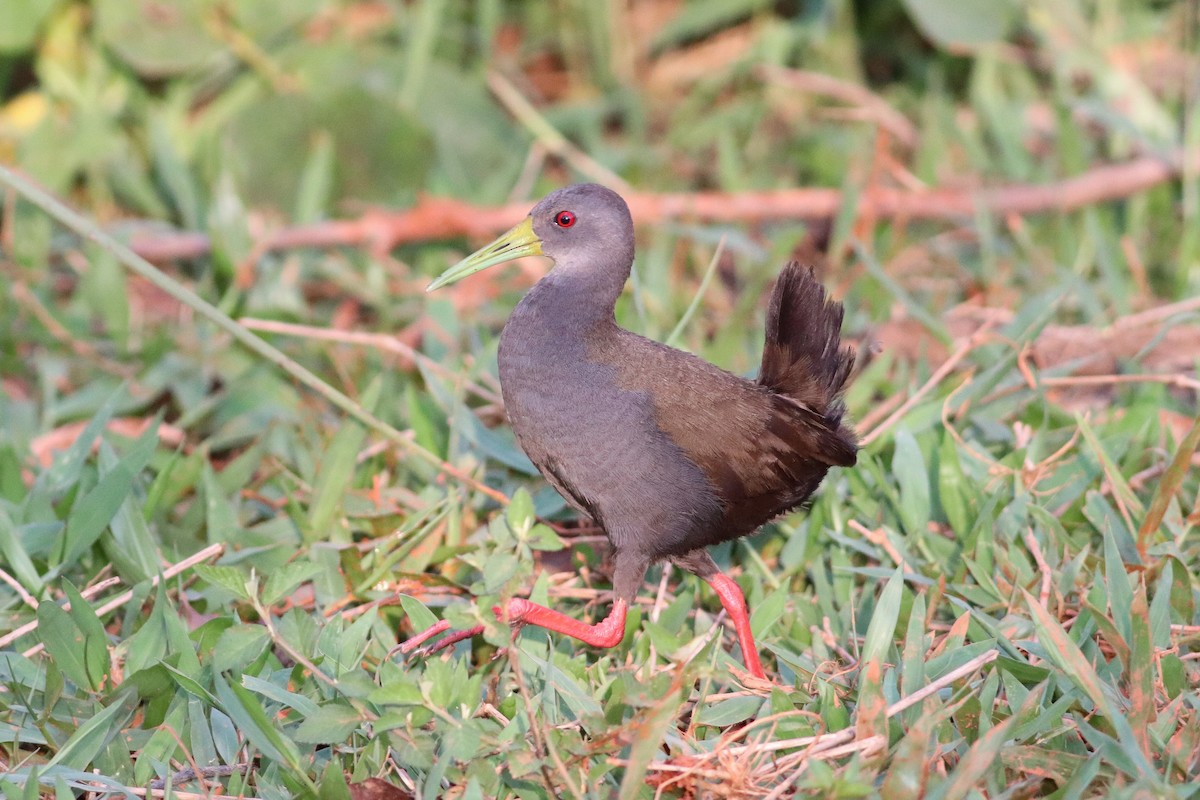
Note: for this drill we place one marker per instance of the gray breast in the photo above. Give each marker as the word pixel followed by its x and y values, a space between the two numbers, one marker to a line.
pixel 596 443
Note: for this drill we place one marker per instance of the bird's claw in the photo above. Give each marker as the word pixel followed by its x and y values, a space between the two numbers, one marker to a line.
pixel 513 613
pixel 412 646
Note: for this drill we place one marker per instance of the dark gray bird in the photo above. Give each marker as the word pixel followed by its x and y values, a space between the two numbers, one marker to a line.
pixel 666 452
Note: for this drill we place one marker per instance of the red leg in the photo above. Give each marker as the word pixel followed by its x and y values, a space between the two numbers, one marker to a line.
pixel 735 605
pixel 606 633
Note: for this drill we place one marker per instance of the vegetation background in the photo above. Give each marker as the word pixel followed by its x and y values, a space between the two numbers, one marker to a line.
pixel 206 565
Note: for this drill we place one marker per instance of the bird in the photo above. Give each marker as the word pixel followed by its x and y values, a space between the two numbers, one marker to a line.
pixel 666 452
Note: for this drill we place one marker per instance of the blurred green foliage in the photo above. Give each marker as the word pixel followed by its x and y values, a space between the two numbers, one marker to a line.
pixel 134 434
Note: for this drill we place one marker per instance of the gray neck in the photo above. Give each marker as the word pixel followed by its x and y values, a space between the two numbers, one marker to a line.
pixel 577 294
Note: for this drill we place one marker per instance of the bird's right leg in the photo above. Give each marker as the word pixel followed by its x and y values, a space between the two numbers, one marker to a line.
pixel 700 563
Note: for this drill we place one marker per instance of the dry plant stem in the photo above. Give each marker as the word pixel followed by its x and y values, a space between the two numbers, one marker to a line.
pixel 822 743
pixel 196 772
pixel 937 377
pixel 879 538
pixel 865 747
pixel 434 218
pixel 379 341
pixel 139 265
pixel 189 755
pixel 878 412
pixel 1168 487
pixel 878 109
pixel 81 347
pixel 86 594
pixel 1178 381
pixel 207 554
pixel 829 744
pixel 16 586
pixel 1044 568
pixel 175 793
pixel 549 137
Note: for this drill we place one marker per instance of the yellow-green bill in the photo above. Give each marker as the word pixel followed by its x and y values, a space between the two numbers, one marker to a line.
pixel 518 242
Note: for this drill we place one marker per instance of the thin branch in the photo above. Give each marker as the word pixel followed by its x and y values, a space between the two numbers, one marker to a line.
pixel 378 341
pixel 936 378
pixel 16 586
pixel 199 557
pixel 875 107
pixel 439 218
pixel 549 137
pixel 86 594
pixel 137 264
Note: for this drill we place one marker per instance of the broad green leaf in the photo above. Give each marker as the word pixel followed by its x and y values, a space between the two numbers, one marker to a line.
pixel 419 616
pixel 879 640
pixel 65 643
pixel 908 465
pixel 91 737
pixel 230 579
pixel 1118 587
pixel 158 45
pixel 283 581
pixel 304 705
pixel 335 470
pixel 542 537
pixel 219 513
pixel 333 783
pixel 953 490
pixel 729 712
pixel 238 646
pixel 20 21
pixel 332 723
pixel 92 514
pixel 768 611
pixel 520 514
pixel 316 181
pixel 645 749
pixel 427 420
pixel 964 23
pixel 131 547
pixel 882 629
pixel 1067 656
pixel 15 556
pixel 95 638
pixel 65 470
pixel 244 708
pixel 191 685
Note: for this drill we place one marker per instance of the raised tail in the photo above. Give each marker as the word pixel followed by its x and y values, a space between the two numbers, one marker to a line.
pixel 803 357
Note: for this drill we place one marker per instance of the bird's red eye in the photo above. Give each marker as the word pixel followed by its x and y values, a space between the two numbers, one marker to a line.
pixel 564 219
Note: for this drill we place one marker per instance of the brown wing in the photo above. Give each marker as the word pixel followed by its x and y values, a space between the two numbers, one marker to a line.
pixel 762 452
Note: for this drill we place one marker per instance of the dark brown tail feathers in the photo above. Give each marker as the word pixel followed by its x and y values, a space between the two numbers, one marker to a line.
pixel 803 357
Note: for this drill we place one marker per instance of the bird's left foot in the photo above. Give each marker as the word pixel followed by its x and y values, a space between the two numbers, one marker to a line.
pixel 608 632
pixel 519 612
pixel 515 616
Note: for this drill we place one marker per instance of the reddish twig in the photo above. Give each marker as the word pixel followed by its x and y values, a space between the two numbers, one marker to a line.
pixel 436 218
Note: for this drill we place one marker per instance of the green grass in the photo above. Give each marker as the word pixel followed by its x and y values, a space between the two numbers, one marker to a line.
pixel 207 564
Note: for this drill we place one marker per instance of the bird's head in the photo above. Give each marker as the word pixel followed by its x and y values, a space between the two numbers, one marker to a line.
pixel 576 226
